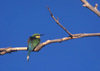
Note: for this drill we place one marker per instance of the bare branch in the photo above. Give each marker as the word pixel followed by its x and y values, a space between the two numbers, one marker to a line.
pixel 94 9
pixel 57 21
pixel 10 49
pixel 74 36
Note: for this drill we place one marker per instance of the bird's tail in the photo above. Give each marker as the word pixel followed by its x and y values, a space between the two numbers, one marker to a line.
pixel 28 54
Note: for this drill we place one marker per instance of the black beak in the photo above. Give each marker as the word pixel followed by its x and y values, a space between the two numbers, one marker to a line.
pixel 41 34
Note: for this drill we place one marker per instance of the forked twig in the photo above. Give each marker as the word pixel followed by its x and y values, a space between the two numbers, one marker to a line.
pixel 89 6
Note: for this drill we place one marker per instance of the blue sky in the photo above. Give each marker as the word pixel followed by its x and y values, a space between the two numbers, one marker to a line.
pixel 19 19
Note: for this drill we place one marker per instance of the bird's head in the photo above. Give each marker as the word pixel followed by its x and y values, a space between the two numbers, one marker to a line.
pixel 37 35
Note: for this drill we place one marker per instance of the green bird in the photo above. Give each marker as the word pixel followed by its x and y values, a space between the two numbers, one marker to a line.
pixel 33 41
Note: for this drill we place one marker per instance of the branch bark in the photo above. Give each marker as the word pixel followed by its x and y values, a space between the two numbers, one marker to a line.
pixel 74 36
pixel 71 36
pixel 89 6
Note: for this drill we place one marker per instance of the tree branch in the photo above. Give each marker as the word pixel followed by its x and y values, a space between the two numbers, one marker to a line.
pixel 72 36
pixel 94 9
pixel 10 49
pixel 57 21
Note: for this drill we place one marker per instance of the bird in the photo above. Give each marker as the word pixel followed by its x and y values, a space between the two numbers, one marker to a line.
pixel 33 41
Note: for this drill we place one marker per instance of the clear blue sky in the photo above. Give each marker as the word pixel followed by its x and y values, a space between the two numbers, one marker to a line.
pixel 19 19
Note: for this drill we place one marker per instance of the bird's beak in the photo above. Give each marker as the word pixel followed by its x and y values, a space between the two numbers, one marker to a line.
pixel 41 34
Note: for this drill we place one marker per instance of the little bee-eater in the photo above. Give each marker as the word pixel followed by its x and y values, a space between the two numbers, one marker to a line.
pixel 33 41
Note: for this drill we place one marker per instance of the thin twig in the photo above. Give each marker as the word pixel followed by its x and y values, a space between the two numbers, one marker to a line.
pixel 94 9
pixel 57 21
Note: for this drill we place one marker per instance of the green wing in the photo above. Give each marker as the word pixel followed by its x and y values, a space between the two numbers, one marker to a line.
pixel 35 43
